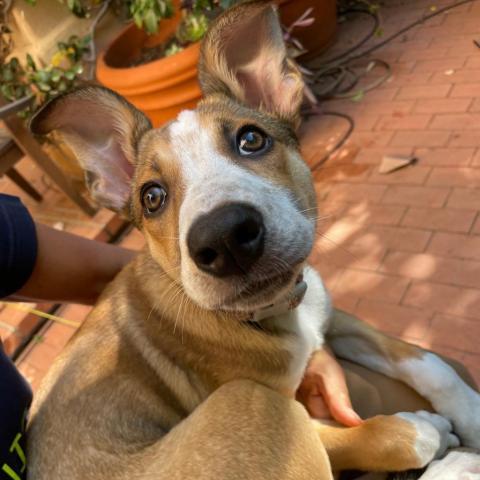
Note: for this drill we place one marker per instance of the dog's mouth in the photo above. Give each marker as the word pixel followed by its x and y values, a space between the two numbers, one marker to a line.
pixel 266 283
pixel 264 292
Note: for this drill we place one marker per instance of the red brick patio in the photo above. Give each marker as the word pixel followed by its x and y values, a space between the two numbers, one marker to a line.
pixel 401 250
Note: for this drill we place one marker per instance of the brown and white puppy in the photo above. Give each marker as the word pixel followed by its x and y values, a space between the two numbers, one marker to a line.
pixel 222 291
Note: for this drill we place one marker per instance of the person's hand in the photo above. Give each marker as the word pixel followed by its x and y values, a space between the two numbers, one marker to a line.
pixel 324 392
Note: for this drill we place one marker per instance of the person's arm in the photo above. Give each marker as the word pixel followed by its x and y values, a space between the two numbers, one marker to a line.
pixel 40 263
pixel 70 268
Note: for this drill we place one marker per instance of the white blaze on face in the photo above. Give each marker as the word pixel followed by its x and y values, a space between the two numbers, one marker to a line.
pixel 211 179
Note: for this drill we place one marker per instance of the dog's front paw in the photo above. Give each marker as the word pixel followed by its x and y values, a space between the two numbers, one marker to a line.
pixel 433 435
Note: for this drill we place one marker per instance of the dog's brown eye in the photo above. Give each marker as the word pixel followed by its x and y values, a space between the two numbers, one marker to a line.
pixel 251 140
pixel 154 197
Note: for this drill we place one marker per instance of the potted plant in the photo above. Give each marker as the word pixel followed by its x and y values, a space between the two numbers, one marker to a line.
pixel 25 87
pixel 39 84
pixel 158 73
pixel 156 68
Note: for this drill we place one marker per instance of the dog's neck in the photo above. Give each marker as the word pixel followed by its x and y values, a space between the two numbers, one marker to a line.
pixel 216 346
pixel 288 302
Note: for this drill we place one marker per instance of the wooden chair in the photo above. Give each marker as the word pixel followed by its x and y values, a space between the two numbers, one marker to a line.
pixel 10 154
pixel 20 142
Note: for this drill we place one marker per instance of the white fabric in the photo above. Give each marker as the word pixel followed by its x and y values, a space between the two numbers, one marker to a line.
pixel 455 466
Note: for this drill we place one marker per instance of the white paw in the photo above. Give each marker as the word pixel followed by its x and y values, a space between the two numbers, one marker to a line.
pixel 434 435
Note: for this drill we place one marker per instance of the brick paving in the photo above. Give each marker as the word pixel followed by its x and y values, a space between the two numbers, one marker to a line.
pixel 401 250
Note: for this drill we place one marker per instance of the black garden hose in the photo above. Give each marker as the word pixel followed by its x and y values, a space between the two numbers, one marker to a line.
pixel 343 77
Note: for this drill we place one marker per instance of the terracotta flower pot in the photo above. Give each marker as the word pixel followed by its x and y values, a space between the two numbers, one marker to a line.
pixel 160 88
pixel 164 87
pixel 318 36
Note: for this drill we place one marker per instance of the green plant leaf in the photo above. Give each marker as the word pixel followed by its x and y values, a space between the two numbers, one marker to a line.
pixel 44 87
pixel 30 62
pixel 20 91
pixel 78 68
pixel 358 97
pixel 7 92
pixel 7 75
pixel 56 75
pixel 42 76
pixel 151 22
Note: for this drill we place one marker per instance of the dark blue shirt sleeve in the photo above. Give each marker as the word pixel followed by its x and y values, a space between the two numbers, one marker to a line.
pixel 18 245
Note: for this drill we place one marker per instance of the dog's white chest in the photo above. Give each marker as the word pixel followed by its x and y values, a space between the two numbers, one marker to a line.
pixel 307 323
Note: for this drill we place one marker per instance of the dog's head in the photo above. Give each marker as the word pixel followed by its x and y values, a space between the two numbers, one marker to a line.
pixel 222 195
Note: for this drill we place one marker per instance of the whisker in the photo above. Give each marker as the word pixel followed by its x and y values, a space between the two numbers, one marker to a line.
pixel 167 238
pixel 174 298
pixel 166 272
pixel 323 217
pixel 150 313
pixel 338 245
pixel 308 209
pixel 185 303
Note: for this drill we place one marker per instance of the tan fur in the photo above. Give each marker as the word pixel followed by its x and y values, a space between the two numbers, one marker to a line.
pixel 382 443
pixel 162 238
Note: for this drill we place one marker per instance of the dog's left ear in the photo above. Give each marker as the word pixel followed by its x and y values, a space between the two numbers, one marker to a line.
pixel 103 130
pixel 244 56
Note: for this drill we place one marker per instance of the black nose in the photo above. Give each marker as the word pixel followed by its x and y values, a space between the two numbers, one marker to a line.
pixel 228 240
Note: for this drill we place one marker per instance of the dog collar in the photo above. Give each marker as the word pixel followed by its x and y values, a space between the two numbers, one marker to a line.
pixel 291 301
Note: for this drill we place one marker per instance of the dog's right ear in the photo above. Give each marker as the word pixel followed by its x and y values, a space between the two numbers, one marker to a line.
pixel 103 130
pixel 244 57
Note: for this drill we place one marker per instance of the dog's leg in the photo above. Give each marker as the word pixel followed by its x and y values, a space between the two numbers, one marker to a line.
pixel 424 371
pixel 243 431
pixel 388 443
